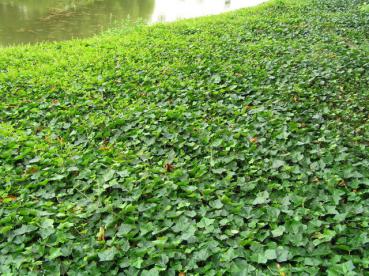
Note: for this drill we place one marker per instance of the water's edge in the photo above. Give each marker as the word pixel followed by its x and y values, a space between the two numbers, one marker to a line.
pixel 30 21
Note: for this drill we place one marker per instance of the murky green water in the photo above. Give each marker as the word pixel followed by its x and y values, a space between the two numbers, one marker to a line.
pixel 29 21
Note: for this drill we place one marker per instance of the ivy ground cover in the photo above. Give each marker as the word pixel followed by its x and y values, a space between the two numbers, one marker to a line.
pixel 235 144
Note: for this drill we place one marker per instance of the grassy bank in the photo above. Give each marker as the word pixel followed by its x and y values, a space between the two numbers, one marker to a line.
pixel 229 144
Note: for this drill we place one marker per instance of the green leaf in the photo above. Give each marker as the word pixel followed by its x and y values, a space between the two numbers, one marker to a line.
pixel 216 79
pixel 270 254
pixel 137 263
pixel 55 253
pixel 5 229
pixel 58 177
pixel 346 268
pixel 217 204
pixel 241 267
pixel 151 272
pixel 278 231
pixel 47 223
pixel 262 198
pixel 108 254
pixel 25 229
pixel 108 175
pixel 35 160
pixel 261 258
pixel 277 164
pixel 282 254
pixel 46 232
pixel 124 229
pixel 205 222
pixel 327 236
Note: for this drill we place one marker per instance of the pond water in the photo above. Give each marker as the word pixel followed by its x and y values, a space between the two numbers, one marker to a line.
pixel 30 21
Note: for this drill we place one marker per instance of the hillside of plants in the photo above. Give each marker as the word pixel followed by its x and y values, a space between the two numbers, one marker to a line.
pixel 235 144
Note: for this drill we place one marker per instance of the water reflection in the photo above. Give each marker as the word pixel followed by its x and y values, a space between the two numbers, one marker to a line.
pixel 23 21
pixel 170 10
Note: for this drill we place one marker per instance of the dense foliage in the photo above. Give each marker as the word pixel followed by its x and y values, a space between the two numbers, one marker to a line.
pixel 230 144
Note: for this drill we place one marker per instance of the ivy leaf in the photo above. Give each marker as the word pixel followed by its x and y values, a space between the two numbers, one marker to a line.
pixel 277 164
pixel 282 254
pixel 278 231
pixel 216 204
pixel 124 229
pixel 55 253
pixel 346 268
pixel 270 254
pixel 216 79
pixel 241 267
pixel 108 175
pixel 327 236
pixel 108 254
pixel 262 198
pixel 151 272
pixel 58 177
pixel 35 160
pixel 25 229
pixel 47 223
pixel 137 263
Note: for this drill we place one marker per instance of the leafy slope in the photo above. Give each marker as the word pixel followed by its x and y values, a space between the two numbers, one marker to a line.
pixel 229 144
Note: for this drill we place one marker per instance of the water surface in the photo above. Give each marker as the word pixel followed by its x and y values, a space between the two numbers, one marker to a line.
pixel 30 21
